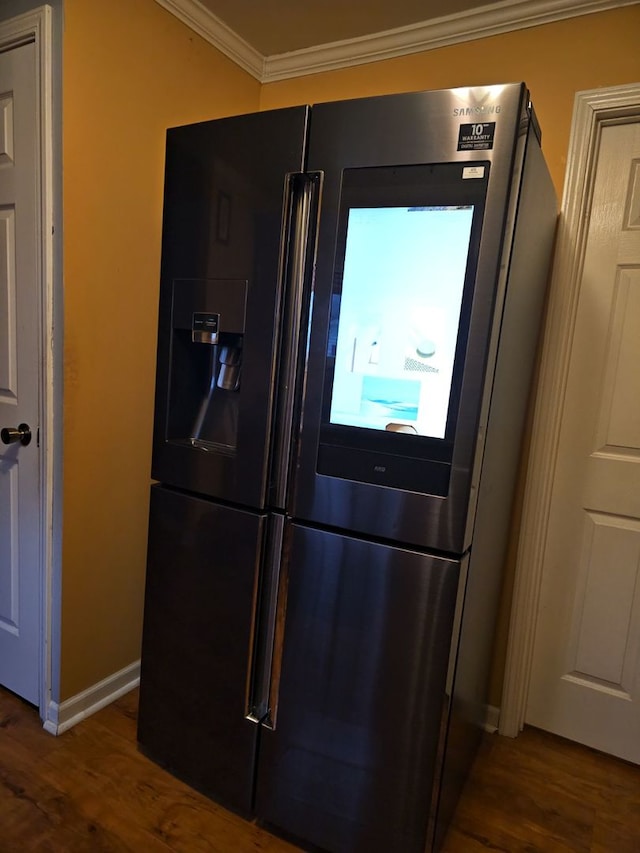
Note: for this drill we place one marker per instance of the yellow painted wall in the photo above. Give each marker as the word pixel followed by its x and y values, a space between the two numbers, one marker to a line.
pixel 555 60
pixel 130 70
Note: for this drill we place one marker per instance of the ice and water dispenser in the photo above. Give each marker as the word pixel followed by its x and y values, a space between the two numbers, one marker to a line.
pixel 207 333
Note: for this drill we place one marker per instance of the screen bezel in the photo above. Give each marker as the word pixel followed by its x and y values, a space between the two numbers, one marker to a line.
pixel 424 185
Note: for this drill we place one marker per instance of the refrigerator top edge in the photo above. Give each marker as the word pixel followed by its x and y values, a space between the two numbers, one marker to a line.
pixel 469 101
pixel 297 108
pixel 475 101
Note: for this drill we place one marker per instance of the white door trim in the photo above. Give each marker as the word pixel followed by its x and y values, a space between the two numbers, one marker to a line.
pixel 592 110
pixel 36 26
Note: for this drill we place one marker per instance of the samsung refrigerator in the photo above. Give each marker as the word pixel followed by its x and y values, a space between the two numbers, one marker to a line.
pixel 350 304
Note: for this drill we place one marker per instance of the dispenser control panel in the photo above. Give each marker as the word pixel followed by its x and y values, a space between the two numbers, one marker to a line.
pixel 205 327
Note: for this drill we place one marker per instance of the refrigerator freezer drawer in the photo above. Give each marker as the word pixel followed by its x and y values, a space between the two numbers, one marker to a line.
pixel 351 762
pixel 198 624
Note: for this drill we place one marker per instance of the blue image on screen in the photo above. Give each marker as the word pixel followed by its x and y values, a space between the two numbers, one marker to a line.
pixel 383 399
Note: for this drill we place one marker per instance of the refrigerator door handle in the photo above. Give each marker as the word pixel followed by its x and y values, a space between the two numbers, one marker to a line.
pixel 298 253
pixel 258 700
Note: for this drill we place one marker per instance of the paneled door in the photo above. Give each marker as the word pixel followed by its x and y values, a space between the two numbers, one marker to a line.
pixel 20 334
pixel 585 680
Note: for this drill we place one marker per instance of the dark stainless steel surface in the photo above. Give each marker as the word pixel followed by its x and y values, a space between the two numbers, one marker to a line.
pixel 401 130
pixel 200 603
pixel 223 210
pixel 350 764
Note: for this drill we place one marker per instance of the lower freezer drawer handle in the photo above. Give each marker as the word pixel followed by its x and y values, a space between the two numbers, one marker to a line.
pixel 261 680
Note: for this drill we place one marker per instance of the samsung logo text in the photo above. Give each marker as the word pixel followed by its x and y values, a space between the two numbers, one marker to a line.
pixel 479 110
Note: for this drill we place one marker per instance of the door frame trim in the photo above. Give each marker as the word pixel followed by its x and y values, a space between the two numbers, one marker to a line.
pixel 593 109
pixel 36 26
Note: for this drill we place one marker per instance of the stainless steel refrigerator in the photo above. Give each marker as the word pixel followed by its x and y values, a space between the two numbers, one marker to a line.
pixel 350 304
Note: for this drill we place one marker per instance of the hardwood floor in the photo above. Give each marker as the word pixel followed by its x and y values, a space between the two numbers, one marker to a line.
pixel 542 794
pixel 90 791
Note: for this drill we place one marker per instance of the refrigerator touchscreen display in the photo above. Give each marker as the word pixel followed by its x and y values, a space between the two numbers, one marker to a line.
pixel 399 313
pixel 404 274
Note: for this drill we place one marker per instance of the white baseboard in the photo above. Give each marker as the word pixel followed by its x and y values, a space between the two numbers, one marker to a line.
pixel 491 719
pixel 63 716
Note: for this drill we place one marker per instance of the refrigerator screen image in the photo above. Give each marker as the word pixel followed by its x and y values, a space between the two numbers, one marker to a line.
pixel 403 283
pixel 402 287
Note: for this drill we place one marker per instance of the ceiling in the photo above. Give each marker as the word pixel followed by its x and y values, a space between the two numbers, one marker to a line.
pixel 279 26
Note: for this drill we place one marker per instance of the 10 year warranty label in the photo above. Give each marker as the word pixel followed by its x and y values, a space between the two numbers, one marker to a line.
pixel 476 137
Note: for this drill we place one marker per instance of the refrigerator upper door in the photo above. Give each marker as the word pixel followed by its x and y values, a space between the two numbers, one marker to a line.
pixel 418 200
pixel 350 763
pixel 226 210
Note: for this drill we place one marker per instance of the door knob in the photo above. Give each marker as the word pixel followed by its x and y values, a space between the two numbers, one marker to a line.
pixel 10 435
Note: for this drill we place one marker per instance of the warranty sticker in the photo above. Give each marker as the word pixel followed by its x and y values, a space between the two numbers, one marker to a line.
pixel 476 137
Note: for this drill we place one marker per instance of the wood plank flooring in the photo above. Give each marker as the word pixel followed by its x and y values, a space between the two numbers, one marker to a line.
pixel 91 791
pixel 542 794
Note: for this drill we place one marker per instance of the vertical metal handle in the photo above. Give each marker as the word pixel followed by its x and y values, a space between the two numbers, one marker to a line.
pixel 297 263
pixel 260 680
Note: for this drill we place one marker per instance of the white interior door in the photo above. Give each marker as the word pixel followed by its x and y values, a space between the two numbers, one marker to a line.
pixel 585 677
pixel 20 354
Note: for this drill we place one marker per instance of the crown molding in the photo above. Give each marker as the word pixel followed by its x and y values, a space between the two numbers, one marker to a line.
pixel 481 22
pixel 216 32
